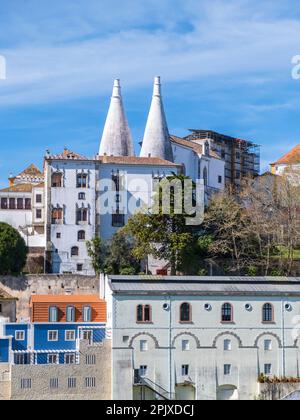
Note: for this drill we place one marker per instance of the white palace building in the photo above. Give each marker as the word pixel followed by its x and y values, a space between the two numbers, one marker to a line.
pixel 58 210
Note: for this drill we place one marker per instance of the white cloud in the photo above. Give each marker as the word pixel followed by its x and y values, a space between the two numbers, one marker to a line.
pixel 89 46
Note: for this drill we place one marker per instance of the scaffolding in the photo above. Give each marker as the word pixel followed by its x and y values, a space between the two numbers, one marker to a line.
pixel 242 157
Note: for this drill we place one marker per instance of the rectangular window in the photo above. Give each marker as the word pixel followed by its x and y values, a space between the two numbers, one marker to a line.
pixel 26 384
pixel 82 181
pixel 28 203
pixel 227 345
pixel 20 335
pixel 53 383
pixel 12 203
pixel 268 369
pixel 90 359
pixel 81 196
pixel 70 335
pixel 58 236
pixel 118 220
pixel 268 345
pixel 38 213
pixel 53 359
pixel 70 359
pixel 227 370
pixel 143 345
pixel 38 198
pixel 20 359
pixel 57 216
pixel 80 267
pixel 20 204
pixel 52 335
pixel 185 370
pixel 185 345
pixel 143 371
pixel 220 179
pixel 90 382
pixel 4 204
pixel 87 314
pixel 72 382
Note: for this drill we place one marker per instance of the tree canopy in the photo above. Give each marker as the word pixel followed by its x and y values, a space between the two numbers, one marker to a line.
pixel 13 250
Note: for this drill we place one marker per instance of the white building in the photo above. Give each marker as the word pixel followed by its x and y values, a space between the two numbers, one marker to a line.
pixel 201 338
pixel 77 202
pixel 290 160
pixel 22 206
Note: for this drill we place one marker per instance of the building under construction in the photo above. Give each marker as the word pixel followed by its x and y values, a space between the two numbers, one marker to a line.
pixel 242 157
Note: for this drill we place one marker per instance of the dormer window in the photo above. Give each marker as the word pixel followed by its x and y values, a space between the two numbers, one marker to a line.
pixel 53 314
pixel 70 315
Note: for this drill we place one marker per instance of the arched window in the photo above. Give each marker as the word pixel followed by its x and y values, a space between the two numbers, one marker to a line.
pixel 57 216
pixel 82 215
pixel 268 313
pixel 75 251
pixel 185 312
pixel 87 314
pixel 53 314
pixel 227 313
pixel 81 235
pixel 70 316
pixel 143 313
pixel 205 177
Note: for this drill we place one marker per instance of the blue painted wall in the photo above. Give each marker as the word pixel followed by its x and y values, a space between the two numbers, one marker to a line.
pixel 4 350
pixel 40 340
pixel 10 330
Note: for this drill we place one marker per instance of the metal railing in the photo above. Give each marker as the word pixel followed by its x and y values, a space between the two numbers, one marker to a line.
pixel 157 389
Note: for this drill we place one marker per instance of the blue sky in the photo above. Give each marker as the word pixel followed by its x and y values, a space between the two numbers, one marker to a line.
pixel 225 65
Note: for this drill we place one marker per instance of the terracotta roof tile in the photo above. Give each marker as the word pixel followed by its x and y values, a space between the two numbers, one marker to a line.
pixel 32 170
pixel 19 188
pixel 68 154
pixel 291 157
pixel 65 299
pixel 130 160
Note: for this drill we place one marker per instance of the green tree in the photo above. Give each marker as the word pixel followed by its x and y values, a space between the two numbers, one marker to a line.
pixel 13 250
pixel 165 234
pixel 120 258
pixel 97 253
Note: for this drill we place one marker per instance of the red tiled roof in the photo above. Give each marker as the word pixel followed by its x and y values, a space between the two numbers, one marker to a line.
pixel 65 299
pixel 68 154
pixel 19 188
pixel 32 171
pixel 131 160
pixel 290 158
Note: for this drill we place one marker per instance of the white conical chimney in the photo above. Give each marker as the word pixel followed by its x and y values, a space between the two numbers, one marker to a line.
pixel 116 139
pixel 156 141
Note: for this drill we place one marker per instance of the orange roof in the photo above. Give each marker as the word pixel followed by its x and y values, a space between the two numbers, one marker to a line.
pixel 290 158
pixel 65 299
pixel 67 155
pixel 131 160
pixel 32 170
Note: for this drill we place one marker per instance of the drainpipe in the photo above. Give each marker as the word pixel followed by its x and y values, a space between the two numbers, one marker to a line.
pixel 170 347
pixel 283 338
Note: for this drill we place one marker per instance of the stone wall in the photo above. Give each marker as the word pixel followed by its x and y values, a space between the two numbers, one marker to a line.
pixel 40 376
pixel 23 287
